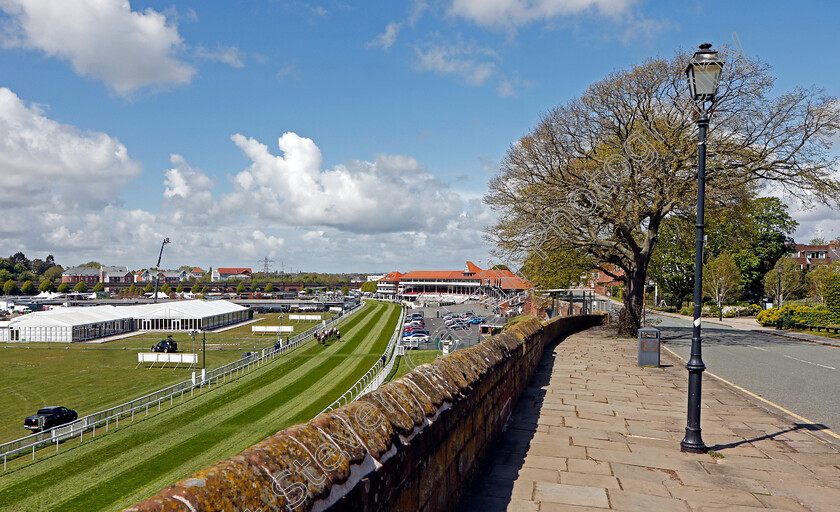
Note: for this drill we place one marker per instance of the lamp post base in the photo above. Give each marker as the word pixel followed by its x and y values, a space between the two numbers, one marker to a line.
pixel 692 443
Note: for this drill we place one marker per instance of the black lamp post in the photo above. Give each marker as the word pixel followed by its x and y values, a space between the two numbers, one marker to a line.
pixel 720 299
pixel 779 270
pixel 703 72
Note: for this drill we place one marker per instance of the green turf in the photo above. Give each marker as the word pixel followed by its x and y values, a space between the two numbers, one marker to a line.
pixel 113 471
pixel 93 377
pixel 412 360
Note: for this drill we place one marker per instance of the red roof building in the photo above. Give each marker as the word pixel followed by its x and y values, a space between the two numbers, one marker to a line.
pixel 808 256
pixel 471 281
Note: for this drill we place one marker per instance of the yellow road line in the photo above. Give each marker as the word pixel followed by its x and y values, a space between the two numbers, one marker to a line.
pixel 750 393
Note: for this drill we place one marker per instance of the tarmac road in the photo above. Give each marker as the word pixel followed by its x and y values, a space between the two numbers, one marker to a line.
pixel 802 377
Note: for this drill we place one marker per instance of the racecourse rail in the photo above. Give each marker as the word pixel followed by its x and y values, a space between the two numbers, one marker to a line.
pixel 141 405
pixel 377 373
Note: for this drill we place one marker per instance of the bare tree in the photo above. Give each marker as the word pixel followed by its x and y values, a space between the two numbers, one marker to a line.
pixel 600 173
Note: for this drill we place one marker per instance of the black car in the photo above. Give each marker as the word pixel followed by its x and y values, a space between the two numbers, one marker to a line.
pixel 168 345
pixel 49 417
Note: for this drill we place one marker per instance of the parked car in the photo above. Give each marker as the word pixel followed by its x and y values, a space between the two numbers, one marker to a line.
pixel 416 337
pixel 424 332
pixel 476 320
pixel 168 345
pixel 49 417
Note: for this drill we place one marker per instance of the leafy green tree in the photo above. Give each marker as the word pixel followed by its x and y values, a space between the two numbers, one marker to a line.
pixel 38 266
pixel 240 288
pixel 345 290
pixel 10 287
pixel 817 277
pixel 28 288
pixel 268 288
pixel 672 262
pixel 91 264
pixel 132 290
pixel 149 288
pixel 46 286
pixel 63 288
pixel 204 290
pixel 721 278
pixel 99 287
pixel 81 287
pixel 5 275
pixel 369 287
pixel 180 288
pixel 195 288
pixel 166 288
pixel 790 285
pixel 817 241
pixel 54 273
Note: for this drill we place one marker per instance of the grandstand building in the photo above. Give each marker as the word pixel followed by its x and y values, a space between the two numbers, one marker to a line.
pixel 499 288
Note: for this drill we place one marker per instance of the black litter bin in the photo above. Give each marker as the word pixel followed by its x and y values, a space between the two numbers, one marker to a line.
pixel 649 346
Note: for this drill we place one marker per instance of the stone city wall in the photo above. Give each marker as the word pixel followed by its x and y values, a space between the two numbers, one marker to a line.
pixel 413 444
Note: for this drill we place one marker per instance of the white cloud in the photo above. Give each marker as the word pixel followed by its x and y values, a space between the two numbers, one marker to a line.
pixel 61 190
pixel 103 39
pixel 516 13
pixel 289 71
pixel 386 39
pixel 227 54
pixel 472 64
pixel 358 196
pixel 52 167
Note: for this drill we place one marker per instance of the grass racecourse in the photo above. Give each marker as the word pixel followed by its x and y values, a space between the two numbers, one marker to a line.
pixel 127 465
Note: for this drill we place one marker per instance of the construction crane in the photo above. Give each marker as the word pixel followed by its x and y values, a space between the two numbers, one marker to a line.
pixel 157 267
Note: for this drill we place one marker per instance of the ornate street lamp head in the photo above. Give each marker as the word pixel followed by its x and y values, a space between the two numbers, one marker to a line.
pixel 703 72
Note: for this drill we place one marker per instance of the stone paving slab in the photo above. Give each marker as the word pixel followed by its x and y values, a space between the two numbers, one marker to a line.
pixel 594 431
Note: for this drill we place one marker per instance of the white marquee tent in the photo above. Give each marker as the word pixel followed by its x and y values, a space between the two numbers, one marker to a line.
pixel 91 322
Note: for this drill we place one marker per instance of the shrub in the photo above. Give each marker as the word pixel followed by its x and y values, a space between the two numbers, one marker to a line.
pixel 831 290
pixel 815 316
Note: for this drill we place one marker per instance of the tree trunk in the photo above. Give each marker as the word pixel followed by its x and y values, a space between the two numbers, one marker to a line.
pixel 630 317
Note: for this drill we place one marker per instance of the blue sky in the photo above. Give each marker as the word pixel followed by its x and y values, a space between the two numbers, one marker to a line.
pixel 328 136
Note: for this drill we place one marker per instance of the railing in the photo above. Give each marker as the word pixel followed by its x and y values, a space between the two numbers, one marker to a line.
pixel 377 373
pixel 214 377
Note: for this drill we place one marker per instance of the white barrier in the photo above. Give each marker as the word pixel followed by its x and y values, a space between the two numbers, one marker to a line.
pixel 305 317
pixel 272 328
pixel 336 308
pixel 163 357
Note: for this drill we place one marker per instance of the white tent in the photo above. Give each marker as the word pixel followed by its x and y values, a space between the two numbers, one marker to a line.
pixel 70 324
pixel 189 315
pixel 86 323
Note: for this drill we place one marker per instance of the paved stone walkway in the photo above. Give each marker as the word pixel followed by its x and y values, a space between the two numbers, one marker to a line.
pixel 595 431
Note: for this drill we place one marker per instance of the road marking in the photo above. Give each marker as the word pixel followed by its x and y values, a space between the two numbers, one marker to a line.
pixel 809 362
pixel 750 393
pixel 760 348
